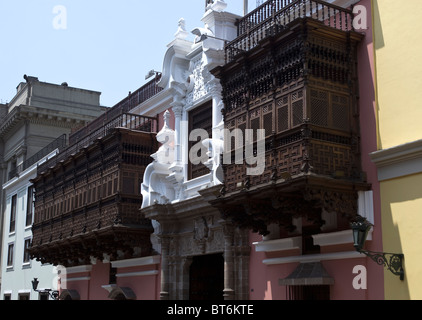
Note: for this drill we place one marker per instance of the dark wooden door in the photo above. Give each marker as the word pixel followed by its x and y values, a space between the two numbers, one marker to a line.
pixel 206 281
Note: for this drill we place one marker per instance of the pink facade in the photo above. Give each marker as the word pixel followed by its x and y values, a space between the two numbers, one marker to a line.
pixel 264 279
pixel 134 282
pixel 368 112
pixel 276 260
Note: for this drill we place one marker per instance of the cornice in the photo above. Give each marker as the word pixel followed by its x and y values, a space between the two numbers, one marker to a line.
pixel 399 161
pixel 136 262
pixel 39 116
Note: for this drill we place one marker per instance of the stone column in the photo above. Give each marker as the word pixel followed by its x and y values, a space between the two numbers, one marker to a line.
pixel 185 263
pixel 165 247
pixel 176 178
pixel 217 118
pixel 177 108
pixel 228 292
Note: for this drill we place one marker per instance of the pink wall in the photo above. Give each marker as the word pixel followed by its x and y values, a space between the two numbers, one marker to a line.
pixel 369 134
pixel 145 287
pixel 264 279
pixel 99 277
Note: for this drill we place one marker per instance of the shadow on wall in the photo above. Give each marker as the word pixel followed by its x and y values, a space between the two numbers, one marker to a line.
pixel 401 206
pixel 378 33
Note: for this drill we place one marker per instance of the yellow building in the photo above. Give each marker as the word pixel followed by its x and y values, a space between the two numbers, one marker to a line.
pixel 398 50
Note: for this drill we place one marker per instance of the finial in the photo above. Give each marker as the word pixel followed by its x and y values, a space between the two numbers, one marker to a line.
pixel 166 118
pixel 181 32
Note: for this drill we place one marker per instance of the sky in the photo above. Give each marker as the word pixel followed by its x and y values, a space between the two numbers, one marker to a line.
pixel 105 46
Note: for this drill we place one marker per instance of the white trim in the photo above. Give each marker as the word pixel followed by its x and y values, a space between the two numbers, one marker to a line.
pixel 146 261
pixel 399 161
pixel 137 274
pixel 65 279
pixel 278 245
pixel 333 238
pixel 109 287
pixel 24 291
pixel 78 269
pixel 314 258
pixel 366 205
pixel 336 238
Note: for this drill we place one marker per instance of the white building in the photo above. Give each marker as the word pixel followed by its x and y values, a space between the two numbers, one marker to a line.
pixel 198 248
pixel 33 126
pixel 18 269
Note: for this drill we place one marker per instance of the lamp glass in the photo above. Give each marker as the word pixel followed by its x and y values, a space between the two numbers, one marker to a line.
pixel 360 233
pixel 35 284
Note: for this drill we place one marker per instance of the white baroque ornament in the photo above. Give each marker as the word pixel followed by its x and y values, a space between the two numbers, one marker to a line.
pixel 202 81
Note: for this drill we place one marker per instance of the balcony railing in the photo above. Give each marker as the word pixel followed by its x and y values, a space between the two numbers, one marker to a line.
pixel 290 154
pixel 274 15
pixel 59 143
pixel 125 120
pixel 134 99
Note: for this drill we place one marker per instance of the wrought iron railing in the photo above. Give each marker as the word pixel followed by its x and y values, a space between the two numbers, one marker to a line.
pixel 274 15
pixel 59 143
pixel 125 120
pixel 126 105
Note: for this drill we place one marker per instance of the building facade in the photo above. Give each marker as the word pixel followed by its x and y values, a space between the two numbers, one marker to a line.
pixel 34 128
pixel 398 158
pixel 303 72
pixel 260 160
pixel 87 203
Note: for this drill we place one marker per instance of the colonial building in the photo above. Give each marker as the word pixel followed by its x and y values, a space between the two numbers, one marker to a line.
pixel 294 71
pixel 280 230
pixel 398 156
pixel 34 127
pixel 249 160
pixel 87 200
pixel 202 256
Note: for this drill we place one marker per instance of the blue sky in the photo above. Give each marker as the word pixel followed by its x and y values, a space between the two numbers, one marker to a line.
pixel 107 46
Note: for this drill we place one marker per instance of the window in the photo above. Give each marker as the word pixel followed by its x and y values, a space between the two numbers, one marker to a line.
pixel 10 255
pixel 13 214
pixel 23 296
pixel 7 296
pixel 43 296
pixel 199 118
pixel 26 256
pixel 29 206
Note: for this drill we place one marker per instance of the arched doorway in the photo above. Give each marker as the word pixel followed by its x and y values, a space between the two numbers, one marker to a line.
pixel 206 277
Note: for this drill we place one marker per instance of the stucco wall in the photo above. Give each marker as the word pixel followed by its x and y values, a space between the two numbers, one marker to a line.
pixel 402 222
pixel 399 81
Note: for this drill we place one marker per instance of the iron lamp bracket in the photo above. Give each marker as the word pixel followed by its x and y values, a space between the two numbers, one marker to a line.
pixel 391 261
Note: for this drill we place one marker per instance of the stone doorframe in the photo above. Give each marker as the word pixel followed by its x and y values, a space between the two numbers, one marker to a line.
pixel 191 228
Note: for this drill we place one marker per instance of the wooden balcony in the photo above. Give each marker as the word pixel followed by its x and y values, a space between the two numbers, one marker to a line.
pixel 98 129
pixel 87 204
pixel 292 72
pixel 274 16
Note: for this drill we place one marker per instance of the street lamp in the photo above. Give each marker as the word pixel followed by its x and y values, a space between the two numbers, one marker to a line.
pixel 392 261
pixel 54 294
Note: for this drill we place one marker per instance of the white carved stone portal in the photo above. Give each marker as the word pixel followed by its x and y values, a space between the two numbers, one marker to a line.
pixel 194 229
